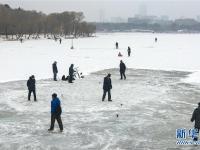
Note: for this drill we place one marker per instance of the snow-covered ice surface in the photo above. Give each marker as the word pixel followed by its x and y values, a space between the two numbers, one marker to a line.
pixel 171 52
pixel 154 102
pixel 154 105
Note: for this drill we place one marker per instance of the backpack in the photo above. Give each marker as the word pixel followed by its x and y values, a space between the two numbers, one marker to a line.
pixel 58 110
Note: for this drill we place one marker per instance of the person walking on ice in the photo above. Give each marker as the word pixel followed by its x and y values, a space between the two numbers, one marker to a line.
pixel 107 86
pixel 129 51
pixel 196 118
pixel 56 111
pixel 55 70
pixel 116 45
pixel 71 73
pixel 156 39
pixel 122 69
pixel 31 87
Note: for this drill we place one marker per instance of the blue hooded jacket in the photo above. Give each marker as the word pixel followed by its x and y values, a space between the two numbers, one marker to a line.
pixel 54 104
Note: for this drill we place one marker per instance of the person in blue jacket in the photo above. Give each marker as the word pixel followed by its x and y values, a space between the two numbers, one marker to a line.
pixel 56 111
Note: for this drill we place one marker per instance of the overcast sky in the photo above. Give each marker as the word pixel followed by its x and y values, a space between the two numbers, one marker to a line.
pixel 96 10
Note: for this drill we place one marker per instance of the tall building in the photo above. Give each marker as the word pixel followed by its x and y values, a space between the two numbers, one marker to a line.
pixel 198 18
pixel 142 10
pixel 101 15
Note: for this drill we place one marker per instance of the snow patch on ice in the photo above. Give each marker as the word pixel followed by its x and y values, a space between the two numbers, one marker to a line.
pixel 193 78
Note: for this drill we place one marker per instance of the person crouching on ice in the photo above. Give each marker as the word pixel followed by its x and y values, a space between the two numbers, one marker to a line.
pixel 56 111
pixel 119 54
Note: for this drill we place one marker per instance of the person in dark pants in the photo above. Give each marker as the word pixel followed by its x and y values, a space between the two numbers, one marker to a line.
pixel 31 87
pixel 71 73
pixel 122 70
pixel 60 40
pixel 107 86
pixel 196 118
pixel 129 51
pixel 56 111
pixel 156 39
pixel 55 71
pixel 116 45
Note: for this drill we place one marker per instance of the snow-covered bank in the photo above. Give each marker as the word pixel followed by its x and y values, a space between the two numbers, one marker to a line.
pixel 154 105
pixel 171 52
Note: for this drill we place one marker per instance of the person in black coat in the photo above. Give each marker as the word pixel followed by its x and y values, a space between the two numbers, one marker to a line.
pixel 107 86
pixel 156 39
pixel 122 70
pixel 129 51
pixel 71 73
pixel 31 87
pixel 196 118
pixel 116 45
pixel 55 71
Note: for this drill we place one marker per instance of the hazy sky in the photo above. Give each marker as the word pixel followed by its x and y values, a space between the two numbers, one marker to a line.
pixel 96 10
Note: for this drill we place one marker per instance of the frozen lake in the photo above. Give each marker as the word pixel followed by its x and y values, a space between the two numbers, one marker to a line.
pixel 171 52
pixel 160 93
pixel 154 105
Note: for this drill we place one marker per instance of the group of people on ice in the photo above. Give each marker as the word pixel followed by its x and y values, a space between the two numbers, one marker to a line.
pixel 120 54
pixel 69 77
pixel 107 83
pixel 56 109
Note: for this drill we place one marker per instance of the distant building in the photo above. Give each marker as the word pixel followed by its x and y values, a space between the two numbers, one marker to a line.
pixel 142 10
pixel 164 17
pixel 186 22
pixel 118 20
pixel 142 19
pixel 198 18
pixel 101 15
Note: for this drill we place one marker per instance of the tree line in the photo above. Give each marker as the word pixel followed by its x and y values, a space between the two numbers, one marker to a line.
pixel 16 23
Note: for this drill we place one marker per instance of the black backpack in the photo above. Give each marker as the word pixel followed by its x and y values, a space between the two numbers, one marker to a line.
pixel 58 110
